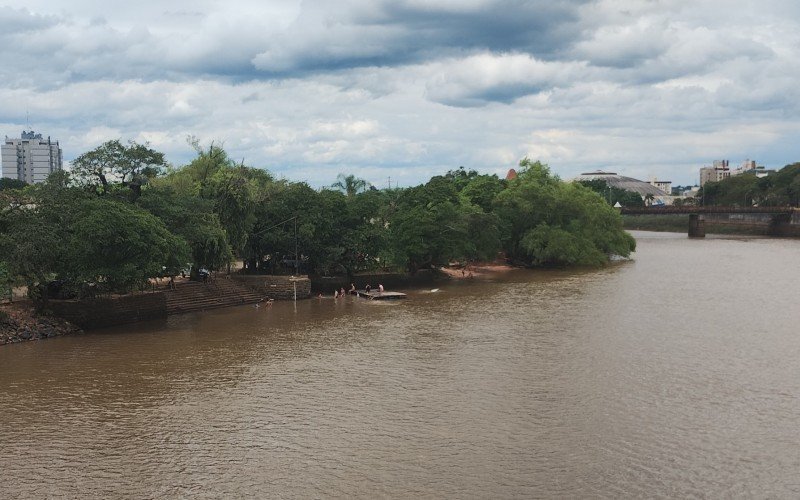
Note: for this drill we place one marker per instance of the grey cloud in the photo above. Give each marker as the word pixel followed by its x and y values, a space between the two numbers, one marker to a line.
pixel 20 21
pixel 390 33
pixel 413 88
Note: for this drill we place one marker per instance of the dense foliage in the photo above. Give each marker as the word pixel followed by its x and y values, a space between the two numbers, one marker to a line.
pixel 549 222
pixel 123 217
pixel 778 189
pixel 614 195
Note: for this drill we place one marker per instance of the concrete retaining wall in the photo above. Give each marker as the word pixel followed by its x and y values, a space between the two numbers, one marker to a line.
pixel 767 224
pixel 276 287
pixel 99 313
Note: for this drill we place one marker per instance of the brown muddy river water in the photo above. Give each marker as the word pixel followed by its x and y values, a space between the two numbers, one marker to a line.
pixel 674 375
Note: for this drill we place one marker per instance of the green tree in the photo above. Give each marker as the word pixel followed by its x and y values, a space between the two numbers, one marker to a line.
pixel 482 190
pixel 8 183
pixel 6 281
pixel 350 184
pixel 68 234
pixel 549 222
pixel 193 219
pixel 614 195
pixel 432 225
pixel 112 162
pixel 120 246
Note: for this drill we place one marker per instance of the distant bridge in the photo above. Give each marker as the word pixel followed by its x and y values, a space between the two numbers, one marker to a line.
pixel 780 216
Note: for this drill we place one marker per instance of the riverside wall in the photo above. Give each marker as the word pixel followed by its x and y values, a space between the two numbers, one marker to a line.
pixel 765 224
pixel 103 312
pixel 276 287
pixel 757 224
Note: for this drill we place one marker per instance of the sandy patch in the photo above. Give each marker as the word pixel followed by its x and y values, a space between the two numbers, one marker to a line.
pixel 477 269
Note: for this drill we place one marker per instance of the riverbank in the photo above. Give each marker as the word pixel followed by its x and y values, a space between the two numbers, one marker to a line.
pixel 19 322
pixel 476 269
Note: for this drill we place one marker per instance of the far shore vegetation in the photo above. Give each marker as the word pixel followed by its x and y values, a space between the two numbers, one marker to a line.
pixel 123 216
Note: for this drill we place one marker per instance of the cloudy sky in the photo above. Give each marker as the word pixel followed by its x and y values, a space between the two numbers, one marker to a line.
pixel 406 89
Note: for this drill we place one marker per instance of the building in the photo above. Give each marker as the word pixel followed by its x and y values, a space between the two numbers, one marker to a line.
pixel 715 173
pixel 750 167
pixel 665 186
pixel 31 158
pixel 642 188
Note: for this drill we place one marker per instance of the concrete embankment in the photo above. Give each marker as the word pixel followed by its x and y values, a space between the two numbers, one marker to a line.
pixel 745 224
pixel 19 321
pixel 276 287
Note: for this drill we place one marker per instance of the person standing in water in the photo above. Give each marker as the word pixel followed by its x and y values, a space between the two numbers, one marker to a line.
pixel 380 288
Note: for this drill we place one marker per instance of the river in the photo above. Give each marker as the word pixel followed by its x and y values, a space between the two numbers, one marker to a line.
pixel 676 374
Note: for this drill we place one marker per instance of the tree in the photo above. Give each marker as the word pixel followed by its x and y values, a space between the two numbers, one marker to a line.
pixel 34 229
pixel 120 246
pixel 68 234
pixel 350 184
pixel 193 219
pixel 776 189
pixel 433 225
pixel 8 183
pixel 549 222
pixel 6 281
pixel 481 191
pixel 112 162
pixel 614 195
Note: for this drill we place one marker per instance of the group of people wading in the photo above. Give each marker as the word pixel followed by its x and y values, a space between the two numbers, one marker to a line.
pixel 341 292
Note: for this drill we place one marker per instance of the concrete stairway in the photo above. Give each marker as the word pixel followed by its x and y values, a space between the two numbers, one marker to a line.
pixel 193 296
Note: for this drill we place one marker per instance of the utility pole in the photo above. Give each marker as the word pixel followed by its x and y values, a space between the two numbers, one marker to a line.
pixel 296 260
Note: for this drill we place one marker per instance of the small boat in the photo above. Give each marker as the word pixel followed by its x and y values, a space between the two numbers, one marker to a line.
pixel 375 295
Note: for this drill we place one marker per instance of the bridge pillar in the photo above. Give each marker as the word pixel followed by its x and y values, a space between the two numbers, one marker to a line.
pixel 697 226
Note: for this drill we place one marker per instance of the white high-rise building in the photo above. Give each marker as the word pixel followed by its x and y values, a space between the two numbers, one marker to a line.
pixel 31 158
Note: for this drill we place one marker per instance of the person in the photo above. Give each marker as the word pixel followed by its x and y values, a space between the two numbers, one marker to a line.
pixel 172 282
pixel 352 288
pixel 367 288
pixel 336 294
pixel 341 292
pixel 380 288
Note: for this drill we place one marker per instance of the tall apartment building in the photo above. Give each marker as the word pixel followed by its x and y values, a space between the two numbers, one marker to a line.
pixel 31 158
pixel 720 170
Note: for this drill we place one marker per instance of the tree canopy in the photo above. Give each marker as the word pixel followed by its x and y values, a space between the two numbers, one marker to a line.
pixel 747 189
pixel 113 162
pixel 124 216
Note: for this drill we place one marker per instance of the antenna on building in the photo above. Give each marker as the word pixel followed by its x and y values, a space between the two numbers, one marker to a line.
pixel 27 119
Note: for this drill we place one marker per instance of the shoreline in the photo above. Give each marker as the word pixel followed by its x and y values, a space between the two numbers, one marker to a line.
pixel 20 322
pixel 476 270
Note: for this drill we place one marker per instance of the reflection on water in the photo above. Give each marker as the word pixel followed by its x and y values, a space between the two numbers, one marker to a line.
pixel 674 375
